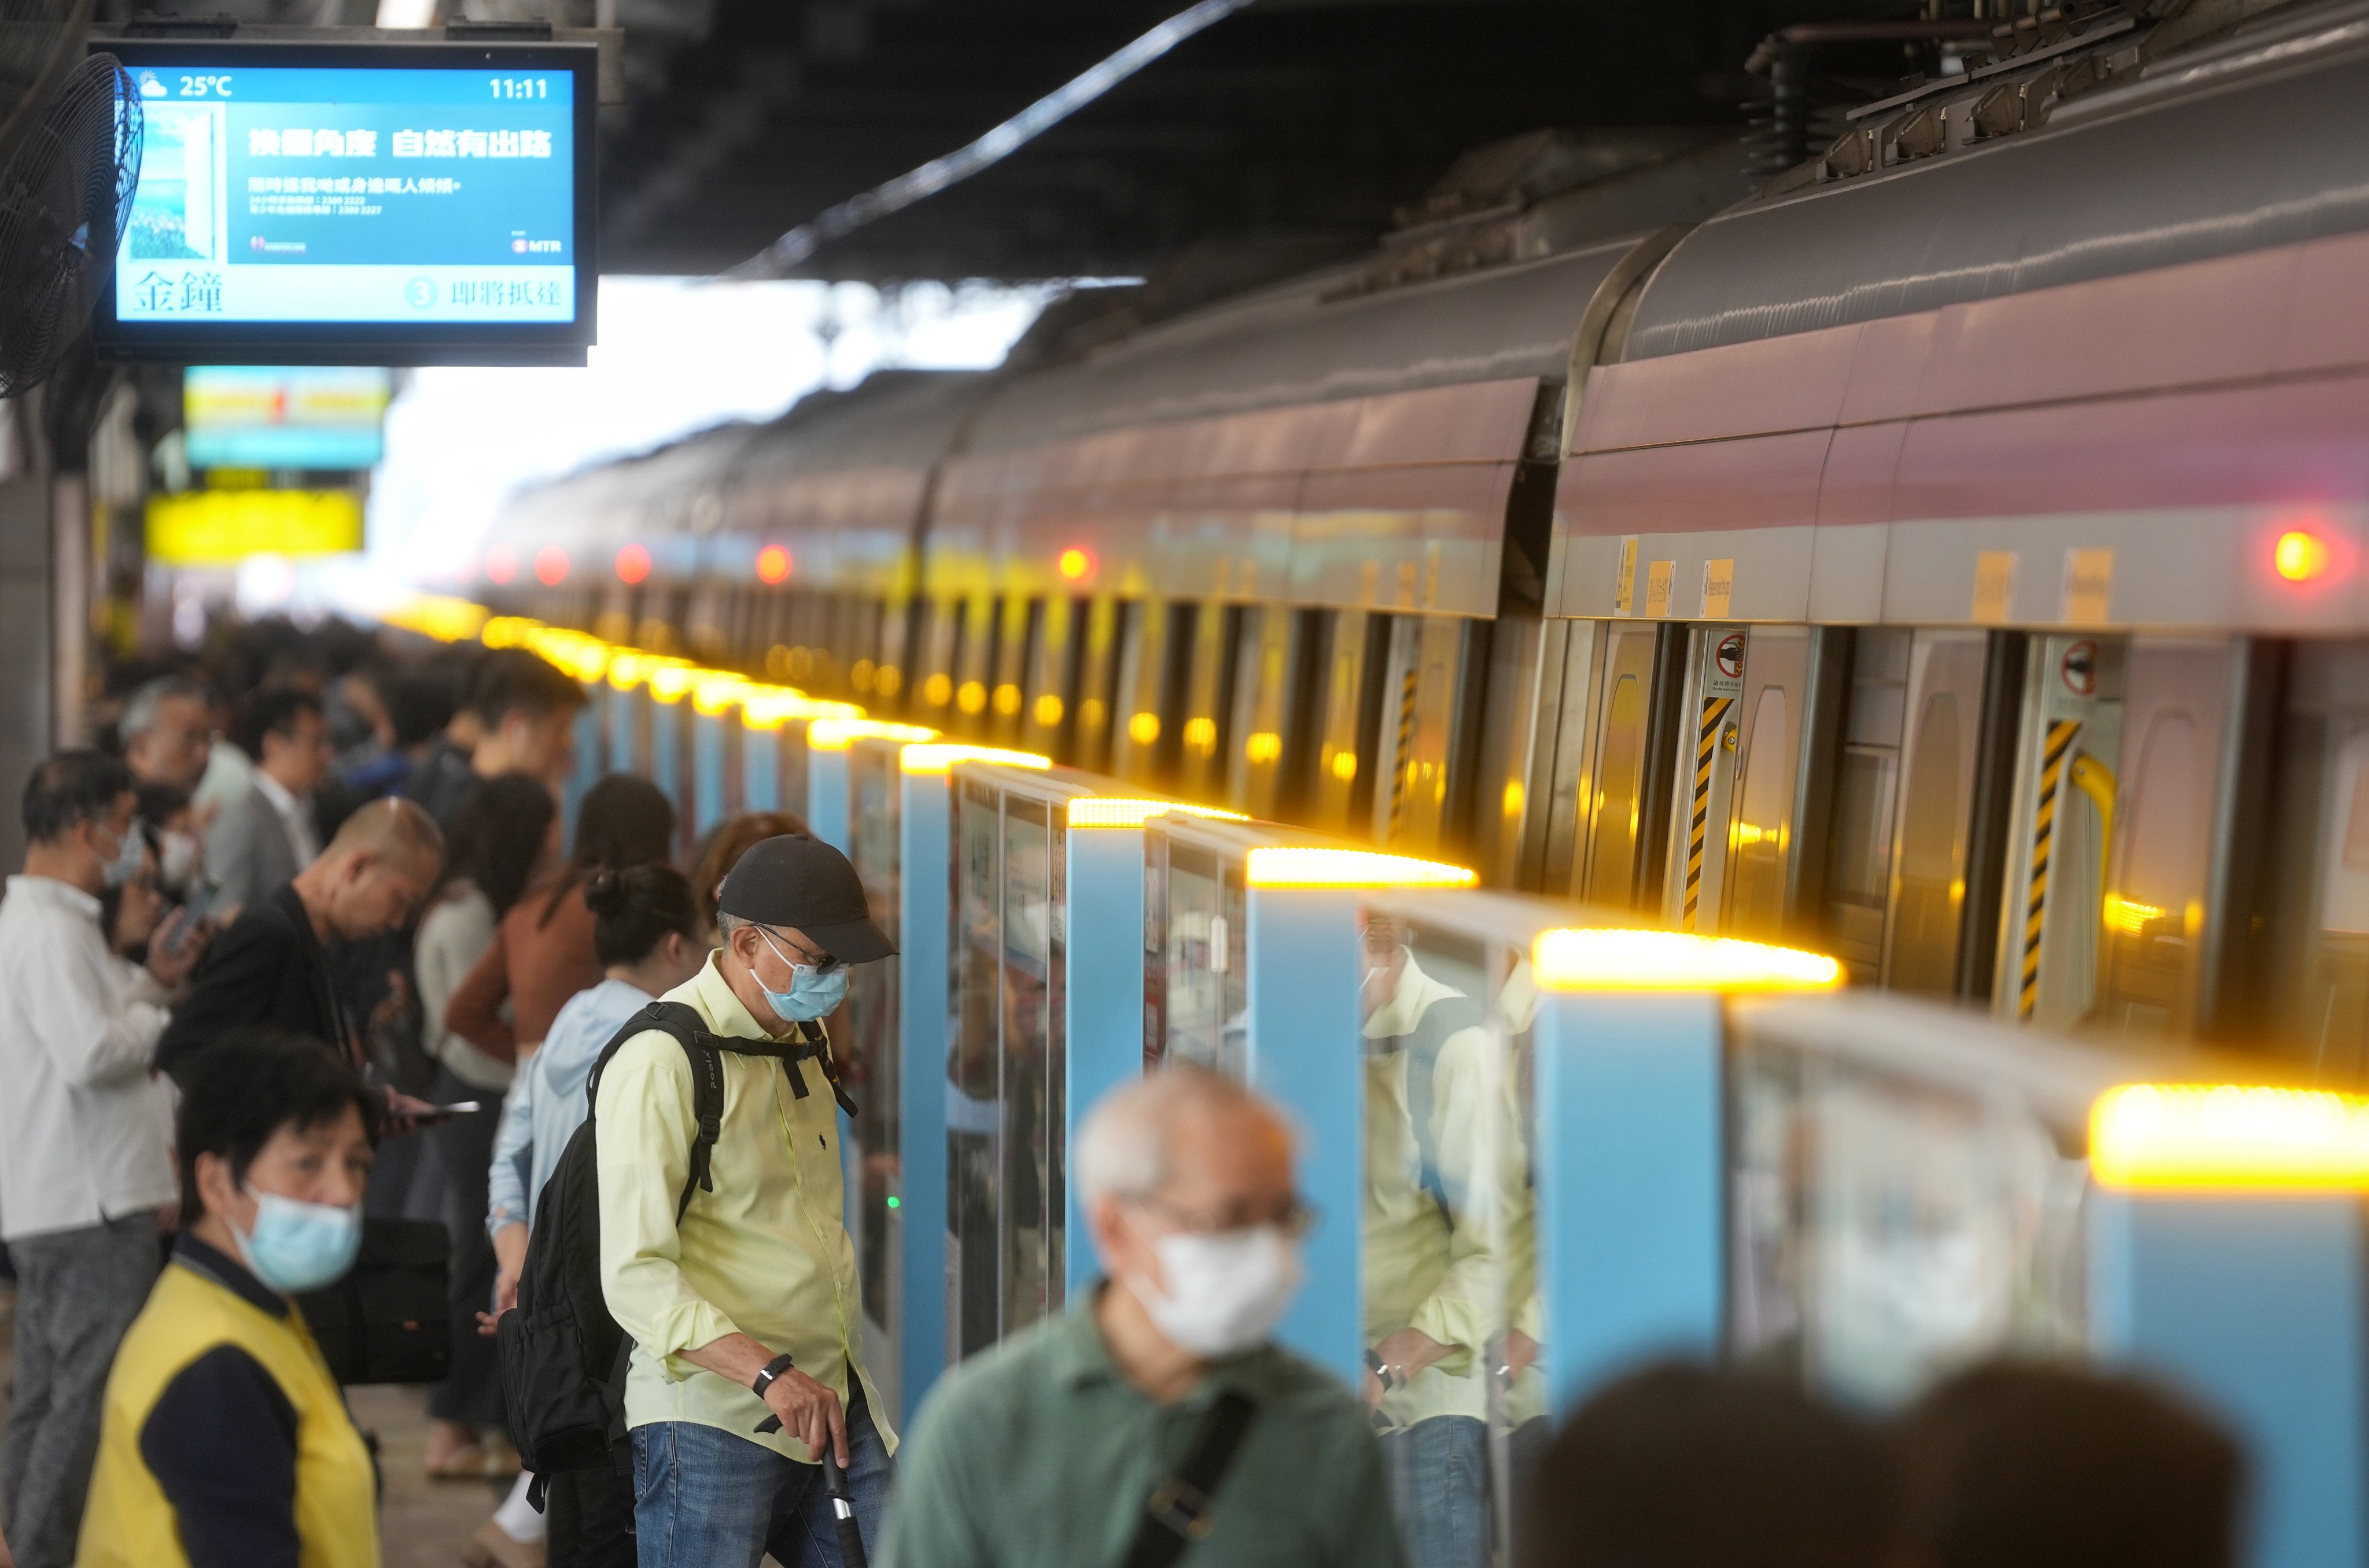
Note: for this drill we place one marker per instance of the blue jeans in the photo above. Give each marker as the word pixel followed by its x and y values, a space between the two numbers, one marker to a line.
pixel 707 1499
pixel 1440 1480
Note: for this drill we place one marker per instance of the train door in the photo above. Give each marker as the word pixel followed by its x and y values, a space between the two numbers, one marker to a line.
pixel 1141 683
pixel 1097 666
pixel 872 1027
pixel 1203 749
pixel 2164 911
pixel 1423 746
pixel 2316 907
pixel 1705 781
pixel 1635 741
pixel 1566 757
pixel 933 675
pixel 1760 834
pixel 1348 721
pixel 1867 785
pixel 975 667
pixel 2070 745
pixel 1048 693
pixel 1015 637
pixel 1261 704
pixel 1940 747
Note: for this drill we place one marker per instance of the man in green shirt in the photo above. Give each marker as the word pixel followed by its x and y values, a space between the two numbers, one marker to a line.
pixel 1064 1445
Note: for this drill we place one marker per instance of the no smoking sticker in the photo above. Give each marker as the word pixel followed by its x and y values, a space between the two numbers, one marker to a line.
pixel 1731 656
pixel 2078 669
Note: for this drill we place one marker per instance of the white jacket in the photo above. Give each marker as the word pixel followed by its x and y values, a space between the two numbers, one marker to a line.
pixel 85 1129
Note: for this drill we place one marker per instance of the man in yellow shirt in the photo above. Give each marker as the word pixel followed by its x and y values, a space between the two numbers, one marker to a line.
pixel 742 1303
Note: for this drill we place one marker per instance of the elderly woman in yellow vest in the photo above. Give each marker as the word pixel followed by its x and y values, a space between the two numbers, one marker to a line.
pixel 225 1440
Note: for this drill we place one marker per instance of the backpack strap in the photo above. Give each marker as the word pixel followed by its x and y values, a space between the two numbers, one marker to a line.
pixel 705 1049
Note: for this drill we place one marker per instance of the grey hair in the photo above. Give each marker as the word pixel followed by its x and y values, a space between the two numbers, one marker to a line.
pixel 145 708
pixel 1122 1149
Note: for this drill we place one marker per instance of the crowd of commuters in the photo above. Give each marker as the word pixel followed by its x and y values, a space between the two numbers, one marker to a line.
pixel 316 942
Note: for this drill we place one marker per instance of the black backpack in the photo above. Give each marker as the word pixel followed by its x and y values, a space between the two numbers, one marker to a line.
pixel 563 1356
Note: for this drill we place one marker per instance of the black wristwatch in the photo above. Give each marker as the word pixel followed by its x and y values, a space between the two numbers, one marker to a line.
pixel 773 1368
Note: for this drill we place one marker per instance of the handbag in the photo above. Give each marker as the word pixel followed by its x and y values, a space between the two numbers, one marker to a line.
pixel 389 1319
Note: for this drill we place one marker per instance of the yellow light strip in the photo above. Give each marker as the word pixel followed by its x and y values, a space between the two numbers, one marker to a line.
pixel 839 734
pixel 2229 1136
pixel 928 759
pixel 770 707
pixel 435 615
pixel 715 691
pixel 1281 866
pixel 671 681
pixel 1118 811
pixel 1671 960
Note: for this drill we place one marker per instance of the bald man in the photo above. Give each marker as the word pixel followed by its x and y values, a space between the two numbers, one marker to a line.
pixel 1156 1414
pixel 272 970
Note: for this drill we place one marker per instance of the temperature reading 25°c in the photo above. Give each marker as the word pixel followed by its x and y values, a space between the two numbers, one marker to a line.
pixel 520 86
pixel 205 87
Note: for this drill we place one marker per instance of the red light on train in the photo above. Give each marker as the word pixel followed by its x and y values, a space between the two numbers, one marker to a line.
pixel 1074 564
pixel 2300 556
pixel 632 564
pixel 551 565
pixel 501 563
pixel 773 564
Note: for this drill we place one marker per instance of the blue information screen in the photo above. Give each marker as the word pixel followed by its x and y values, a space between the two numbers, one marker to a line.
pixel 321 194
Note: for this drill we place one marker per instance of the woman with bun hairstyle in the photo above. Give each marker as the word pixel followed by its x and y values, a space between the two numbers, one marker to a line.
pixel 542 953
pixel 646 930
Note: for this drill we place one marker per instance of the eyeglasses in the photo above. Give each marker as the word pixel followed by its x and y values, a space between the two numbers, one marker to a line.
pixel 1298 1217
pixel 822 965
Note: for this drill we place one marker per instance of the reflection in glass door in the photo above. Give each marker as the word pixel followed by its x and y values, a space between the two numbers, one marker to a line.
pixel 974 1120
pixel 1453 1323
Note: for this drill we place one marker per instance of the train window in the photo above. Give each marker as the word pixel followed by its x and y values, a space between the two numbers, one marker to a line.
pixel 1763 821
pixel 1449 1275
pixel 973 1118
pixel 872 1030
pixel 1031 1107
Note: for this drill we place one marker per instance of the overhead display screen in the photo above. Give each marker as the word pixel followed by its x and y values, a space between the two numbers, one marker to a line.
pixel 339 195
pixel 284 416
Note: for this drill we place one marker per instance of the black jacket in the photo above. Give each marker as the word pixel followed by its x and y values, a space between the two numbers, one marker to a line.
pixel 267 971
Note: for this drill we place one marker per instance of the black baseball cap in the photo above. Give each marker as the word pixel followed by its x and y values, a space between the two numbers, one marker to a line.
pixel 795 880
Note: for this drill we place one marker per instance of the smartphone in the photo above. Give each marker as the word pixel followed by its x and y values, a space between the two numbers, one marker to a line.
pixel 435 1115
pixel 186 919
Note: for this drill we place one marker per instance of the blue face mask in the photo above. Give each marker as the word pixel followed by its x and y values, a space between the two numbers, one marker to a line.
pixel 129 852
pixel 813 993
pixel 298 1246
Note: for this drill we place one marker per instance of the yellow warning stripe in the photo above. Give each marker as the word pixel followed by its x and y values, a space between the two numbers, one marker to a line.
pixel 2044 834
pixel 1714 711
pixel 1402 777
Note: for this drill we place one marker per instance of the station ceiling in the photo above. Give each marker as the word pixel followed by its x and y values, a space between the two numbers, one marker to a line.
pixel 1298 125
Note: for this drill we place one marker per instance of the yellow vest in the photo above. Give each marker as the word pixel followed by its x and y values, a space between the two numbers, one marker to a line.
pixel 128 1523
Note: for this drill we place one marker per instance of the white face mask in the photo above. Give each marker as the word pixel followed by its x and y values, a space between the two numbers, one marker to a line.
pixel 179 860
pixel 1226 1292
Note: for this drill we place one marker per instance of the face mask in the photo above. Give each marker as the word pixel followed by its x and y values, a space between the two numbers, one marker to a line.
pixel 178 862
pixel 298 1246
pixel 1226 1292
pixel 812 993
pixel 126 863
